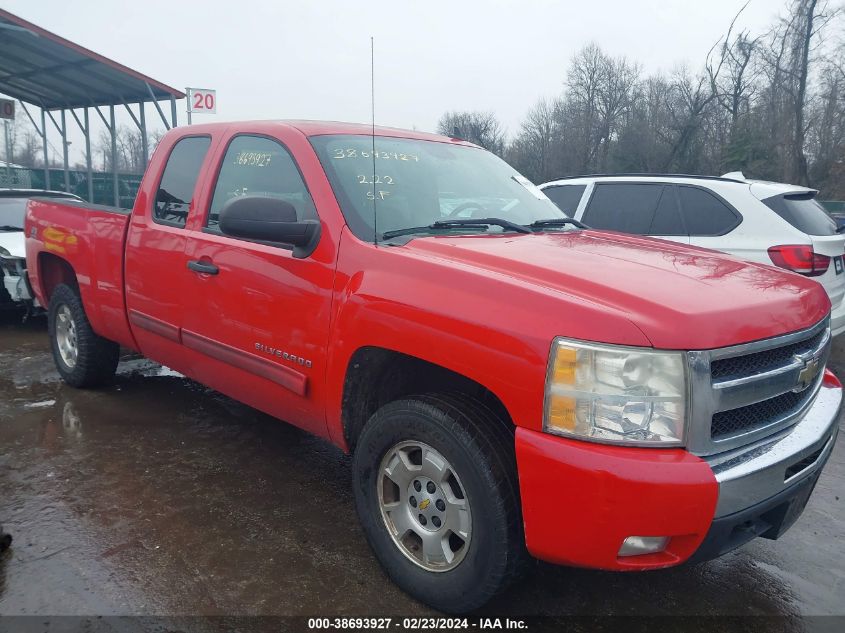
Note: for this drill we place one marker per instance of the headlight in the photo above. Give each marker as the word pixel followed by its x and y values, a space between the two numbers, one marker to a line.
pixel 4 252
pixel 615 394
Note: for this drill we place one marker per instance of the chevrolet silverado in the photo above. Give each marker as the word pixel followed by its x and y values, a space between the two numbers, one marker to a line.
pixel 511 383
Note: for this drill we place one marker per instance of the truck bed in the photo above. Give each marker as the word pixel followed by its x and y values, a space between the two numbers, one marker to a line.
pixel 91 239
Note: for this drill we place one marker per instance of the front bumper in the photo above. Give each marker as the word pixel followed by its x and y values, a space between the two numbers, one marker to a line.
pixel 581 500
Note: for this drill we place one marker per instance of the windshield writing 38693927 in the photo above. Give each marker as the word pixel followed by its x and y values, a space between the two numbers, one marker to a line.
pixel 406 183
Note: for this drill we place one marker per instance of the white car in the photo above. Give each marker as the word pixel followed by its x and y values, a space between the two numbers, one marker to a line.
pixel 15 287
pixel 765 222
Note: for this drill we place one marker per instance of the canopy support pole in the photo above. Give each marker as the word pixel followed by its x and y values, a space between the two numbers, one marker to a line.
pixel 86 128
pixel 144 140
pixel 114 156
pixel 46 156
pixel 142 127
pixel 8 155
pixel 65 157
pixel 42 132
pixel 158 107
pixel 173 110
pixel 62 130
pixel 89 160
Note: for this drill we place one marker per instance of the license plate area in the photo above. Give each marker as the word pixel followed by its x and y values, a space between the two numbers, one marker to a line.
pixel 782 517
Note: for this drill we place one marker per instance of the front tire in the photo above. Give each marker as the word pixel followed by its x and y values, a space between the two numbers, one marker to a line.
pixel 437 495
pixel 83 359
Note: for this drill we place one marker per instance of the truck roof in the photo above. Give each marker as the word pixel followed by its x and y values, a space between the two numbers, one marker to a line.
pixel 319 128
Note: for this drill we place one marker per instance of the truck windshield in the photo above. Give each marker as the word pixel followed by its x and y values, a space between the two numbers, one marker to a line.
pixel 416 183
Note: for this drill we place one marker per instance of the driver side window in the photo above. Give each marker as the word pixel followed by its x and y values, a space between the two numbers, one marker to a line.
pixel 259 166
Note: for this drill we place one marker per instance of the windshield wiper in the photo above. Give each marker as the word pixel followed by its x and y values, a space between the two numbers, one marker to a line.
pixel 9 227
pixel 469 223
pixel 551 222
pixel 505 224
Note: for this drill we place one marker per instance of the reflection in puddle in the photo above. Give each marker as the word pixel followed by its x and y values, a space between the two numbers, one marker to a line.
pixel 43 404
pixel 71 420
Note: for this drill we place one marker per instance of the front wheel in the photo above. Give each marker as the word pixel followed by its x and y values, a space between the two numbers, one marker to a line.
pixel 82 358
pixel 437 495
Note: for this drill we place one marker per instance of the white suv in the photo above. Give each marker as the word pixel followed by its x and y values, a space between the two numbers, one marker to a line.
pixel 758 221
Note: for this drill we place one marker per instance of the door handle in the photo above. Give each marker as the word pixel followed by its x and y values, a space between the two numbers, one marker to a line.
pixel 203 267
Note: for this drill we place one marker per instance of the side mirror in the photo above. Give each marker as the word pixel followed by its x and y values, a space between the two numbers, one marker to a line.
pixel 269 220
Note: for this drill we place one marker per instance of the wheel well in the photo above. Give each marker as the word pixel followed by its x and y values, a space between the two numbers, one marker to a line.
pixel 376 376
pixel 52 271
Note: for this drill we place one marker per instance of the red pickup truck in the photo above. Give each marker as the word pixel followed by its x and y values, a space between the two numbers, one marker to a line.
pixel 511 383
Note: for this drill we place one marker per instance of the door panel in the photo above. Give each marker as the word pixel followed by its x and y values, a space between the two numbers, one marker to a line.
pixel 260 324
pixel 155 254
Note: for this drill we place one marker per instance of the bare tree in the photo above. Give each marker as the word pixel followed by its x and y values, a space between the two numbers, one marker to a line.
pixel 30 150
pixel 647 136
pixel 733 77
pixel 771 104
pixel 619 80
pixel 826 135
pixel 806 10
pixel 688 102
pixel 532 150
pixel 793 43
pixel 130 149
pixel 583 86
pixel 481 128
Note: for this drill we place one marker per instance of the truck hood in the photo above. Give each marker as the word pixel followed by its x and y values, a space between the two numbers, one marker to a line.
pixel 14 242
pixel 680 297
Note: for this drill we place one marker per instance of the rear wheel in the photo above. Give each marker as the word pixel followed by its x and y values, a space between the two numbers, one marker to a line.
pixel 82 358
pixel 437 495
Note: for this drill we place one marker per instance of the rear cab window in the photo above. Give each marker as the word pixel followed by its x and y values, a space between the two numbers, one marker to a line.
pixel 803 212
pixel 176 189
pixel 566 197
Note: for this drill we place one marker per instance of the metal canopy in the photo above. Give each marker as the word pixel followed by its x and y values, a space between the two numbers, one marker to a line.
pixel 59 77
pixel 46 70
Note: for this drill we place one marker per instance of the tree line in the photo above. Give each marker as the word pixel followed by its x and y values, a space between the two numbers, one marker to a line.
pixel 771 105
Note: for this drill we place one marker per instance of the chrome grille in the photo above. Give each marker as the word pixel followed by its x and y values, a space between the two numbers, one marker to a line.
pixel 735 420
pixel 744 393
pixel 759 362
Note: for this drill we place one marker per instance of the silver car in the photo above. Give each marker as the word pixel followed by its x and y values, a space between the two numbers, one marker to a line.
pixel 15 289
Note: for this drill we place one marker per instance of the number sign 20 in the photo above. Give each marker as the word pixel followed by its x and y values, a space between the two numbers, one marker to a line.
pixel 202 100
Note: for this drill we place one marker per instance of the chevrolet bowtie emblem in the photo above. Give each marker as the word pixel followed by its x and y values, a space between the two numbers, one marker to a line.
pixel 808 374
pixel 424 504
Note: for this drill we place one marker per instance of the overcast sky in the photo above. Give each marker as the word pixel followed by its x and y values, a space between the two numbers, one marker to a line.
pixel 311 59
